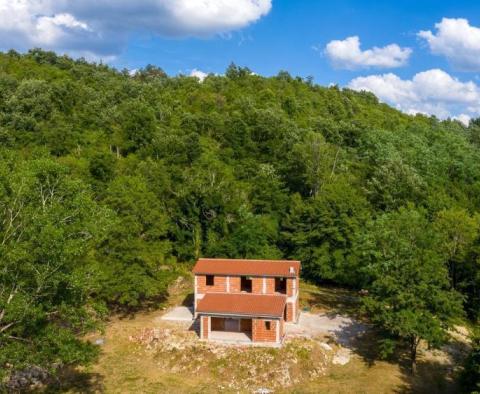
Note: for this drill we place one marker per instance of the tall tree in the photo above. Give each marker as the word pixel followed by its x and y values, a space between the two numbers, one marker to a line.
pixel 49 223
pixel 321 232
pixel 458 230
pixel 410 296
pixel 133 258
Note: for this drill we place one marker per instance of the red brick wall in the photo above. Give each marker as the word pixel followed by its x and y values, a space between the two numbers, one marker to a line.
pixel 297 309
pixel 290 316
pixel 270 285
pixel 257 285
pixel 219 284
pixel 234 284
pixel 204 323
pixel 290 287
pixel 261 334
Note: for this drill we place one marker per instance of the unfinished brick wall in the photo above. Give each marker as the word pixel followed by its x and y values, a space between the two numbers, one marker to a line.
pixel 297 309
pixel 219 284
pixel 261 334
pixel 290 316
pixel 204 323
pixel 270 285
pixel 257 285
pixel 290 286
pixel 234 284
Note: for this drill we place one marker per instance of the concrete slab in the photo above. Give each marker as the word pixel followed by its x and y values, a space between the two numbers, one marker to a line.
pixel 229 336
pixel 343 328
pixel 179 313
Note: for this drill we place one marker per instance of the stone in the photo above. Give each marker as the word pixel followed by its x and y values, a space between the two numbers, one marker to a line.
pixel 342 357
pixel 326 346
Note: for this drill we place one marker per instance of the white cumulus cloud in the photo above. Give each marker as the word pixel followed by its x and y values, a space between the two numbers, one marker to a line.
pixel 432 92
pixel 348 54
pixel 201 75
pixel 102 27
pixel 463 118
pixel 457 40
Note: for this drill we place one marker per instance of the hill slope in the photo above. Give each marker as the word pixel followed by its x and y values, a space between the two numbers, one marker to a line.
pixel 110 181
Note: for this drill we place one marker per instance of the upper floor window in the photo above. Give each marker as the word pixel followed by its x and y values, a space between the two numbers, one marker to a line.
pixel 210 280
pixel 281 285
pixel 268 325
pixel 246 284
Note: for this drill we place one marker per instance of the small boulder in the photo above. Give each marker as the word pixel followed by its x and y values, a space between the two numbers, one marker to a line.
pixel 342 357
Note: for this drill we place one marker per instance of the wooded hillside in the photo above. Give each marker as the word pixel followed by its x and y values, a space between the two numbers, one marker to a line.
pixel 111 184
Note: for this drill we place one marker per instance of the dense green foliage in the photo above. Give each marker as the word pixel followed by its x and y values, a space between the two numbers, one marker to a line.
pixel 410 295
pixel 109 182
pixel 471 373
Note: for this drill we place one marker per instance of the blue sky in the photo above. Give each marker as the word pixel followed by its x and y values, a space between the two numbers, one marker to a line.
pixel 419 56
pixel 284 38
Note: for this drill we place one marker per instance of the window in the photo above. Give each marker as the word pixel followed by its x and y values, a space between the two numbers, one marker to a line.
pixel 268 325
pixel 281 285
pixel 246 284
pixel 210 280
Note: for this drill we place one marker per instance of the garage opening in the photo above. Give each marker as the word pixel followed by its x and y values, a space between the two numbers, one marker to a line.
pixel 231 329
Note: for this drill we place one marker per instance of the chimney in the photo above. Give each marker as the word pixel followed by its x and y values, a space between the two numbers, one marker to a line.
pixel 292 270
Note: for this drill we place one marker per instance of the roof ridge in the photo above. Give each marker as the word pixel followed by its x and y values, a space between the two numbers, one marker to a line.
pixel 269 260
pixel 246 294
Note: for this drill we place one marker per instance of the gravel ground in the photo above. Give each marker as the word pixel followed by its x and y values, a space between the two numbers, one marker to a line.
pixel 179 313
pixel 344 329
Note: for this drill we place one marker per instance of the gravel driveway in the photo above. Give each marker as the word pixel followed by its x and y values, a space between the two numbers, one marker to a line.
pixel 343 328
pixel 179 313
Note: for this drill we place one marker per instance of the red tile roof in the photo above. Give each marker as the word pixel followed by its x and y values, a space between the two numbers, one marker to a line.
pixel 242 304
pixel 247 267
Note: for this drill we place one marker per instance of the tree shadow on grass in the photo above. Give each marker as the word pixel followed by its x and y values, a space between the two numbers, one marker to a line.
pixel 188 300
pixel 361 340
pixel 431 377
pixel 434 374
pixel 129 312
pixel 437 370
pixel 332 299
pixel 71 380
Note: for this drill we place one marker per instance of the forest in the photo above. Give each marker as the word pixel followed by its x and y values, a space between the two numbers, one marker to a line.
pixel 112 183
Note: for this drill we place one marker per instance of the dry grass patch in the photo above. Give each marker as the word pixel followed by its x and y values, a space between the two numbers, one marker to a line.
pixel 144 354
pixel 233 368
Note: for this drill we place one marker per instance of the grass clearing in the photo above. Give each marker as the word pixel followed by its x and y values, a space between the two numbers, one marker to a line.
pixel 143 354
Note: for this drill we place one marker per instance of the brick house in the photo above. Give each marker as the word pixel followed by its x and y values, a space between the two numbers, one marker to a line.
pixel 246 300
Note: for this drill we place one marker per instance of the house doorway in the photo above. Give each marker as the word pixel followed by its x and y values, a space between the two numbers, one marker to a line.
pixel 231 329
pixel 246 284
pixel 281 285
pixel 232 325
